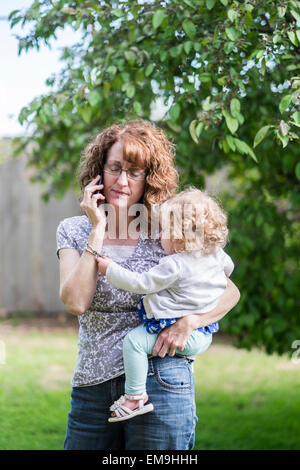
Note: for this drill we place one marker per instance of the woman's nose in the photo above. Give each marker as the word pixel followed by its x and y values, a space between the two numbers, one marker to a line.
pixel 123 178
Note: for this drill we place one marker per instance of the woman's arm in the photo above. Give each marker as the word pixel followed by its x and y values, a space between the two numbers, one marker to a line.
pixel 175 336
pixel 79 274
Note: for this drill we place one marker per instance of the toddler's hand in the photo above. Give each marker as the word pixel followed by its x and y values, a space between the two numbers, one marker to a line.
pixel 103 262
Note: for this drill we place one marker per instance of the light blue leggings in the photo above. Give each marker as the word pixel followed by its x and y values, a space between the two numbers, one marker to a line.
pixel 138 343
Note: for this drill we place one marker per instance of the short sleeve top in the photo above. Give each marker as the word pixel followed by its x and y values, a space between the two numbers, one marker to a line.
pixel 112 313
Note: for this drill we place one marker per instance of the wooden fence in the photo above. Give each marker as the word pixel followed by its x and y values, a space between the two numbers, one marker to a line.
pixel 29 267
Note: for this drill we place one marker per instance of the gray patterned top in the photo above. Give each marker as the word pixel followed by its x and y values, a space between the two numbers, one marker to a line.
pixel 112 313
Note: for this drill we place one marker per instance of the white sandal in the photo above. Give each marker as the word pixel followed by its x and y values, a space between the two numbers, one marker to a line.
pixel 123 413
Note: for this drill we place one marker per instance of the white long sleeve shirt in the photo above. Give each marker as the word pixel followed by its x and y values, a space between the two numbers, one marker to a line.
pixel 181 284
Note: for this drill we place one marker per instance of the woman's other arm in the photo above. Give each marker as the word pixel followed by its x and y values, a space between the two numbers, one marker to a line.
pixel 79 274
pixel 175 336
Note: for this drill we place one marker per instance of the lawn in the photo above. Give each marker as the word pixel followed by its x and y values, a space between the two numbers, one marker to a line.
pixel 245 400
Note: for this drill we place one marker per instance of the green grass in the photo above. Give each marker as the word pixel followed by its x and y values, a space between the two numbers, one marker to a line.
pixel 35 389
pixel 245 400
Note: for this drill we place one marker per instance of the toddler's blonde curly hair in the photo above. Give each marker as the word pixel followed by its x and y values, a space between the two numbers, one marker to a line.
pixel 194 221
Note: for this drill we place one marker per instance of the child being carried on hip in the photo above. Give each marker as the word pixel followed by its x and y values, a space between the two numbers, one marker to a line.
pixel 189 280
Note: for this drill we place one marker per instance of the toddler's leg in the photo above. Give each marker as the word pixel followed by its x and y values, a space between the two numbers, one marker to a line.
pixel 197 343
pixel 137 344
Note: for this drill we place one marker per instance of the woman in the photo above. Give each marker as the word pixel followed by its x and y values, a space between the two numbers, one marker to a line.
pixel 136 162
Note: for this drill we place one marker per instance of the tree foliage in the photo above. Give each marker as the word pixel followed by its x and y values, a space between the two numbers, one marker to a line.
pixel 228 73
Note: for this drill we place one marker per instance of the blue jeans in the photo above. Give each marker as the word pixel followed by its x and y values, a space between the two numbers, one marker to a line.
pixel 138 344
pixel 171 426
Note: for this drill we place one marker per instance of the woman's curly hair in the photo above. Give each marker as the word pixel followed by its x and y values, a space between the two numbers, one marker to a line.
pixel 195 222
pixel 146 146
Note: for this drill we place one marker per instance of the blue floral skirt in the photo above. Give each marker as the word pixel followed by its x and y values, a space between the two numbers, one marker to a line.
pixel 155 326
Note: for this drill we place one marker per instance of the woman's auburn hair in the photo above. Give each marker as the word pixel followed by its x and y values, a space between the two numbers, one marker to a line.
pixel 146 146
pixel 197 222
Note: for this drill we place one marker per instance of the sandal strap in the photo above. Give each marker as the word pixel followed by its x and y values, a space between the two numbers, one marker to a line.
pixel 136 397
pixel 140 398
pixel 122 411
pixel 117 403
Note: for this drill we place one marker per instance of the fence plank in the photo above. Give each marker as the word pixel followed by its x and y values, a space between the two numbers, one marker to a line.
pixel 29 267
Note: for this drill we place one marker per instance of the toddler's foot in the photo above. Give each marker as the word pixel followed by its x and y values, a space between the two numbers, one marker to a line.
pixel 129 406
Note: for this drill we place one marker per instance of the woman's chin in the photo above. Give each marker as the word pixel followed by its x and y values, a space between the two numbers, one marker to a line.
pixel 118 202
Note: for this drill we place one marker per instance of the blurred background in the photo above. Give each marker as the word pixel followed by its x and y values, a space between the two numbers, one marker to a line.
pixel 221 78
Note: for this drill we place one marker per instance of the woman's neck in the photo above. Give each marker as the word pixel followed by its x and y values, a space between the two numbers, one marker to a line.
pixel 121 227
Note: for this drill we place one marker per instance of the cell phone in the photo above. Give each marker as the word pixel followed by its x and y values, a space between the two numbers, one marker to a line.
pixel 98 191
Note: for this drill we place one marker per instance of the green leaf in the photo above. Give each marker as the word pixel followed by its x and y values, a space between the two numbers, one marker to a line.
pixel 232 33
pixel 199 128
pixel 244 148
pixel 210 4
pixel 235 106
pixel 228 47
pixel 260 135
pixel 94 98
pixel 137 107
pixel 222 80
pixel 284 139
pixel 230 141
pixel 296 117
pixel 130 91
pixel 231 122
pixel 232 15
pixel 112 70
pixel 86 113
pixel 205 77
pixel 187 46
pixel 293 38
pixel 297 170
pixel 158 18
pixel 284 103
pixel 248 19
pixel 163 55
pixel 69 11
pixel 149 70
pixel 174 112
pixel 189 3
pixel 176 51
pixel 277 38
pixel 13 13
pixel 189 29
pixel 118 12
pixel 281 11
pixel 130 57
pixel 296 15
pixel 206 105
pixel 192 129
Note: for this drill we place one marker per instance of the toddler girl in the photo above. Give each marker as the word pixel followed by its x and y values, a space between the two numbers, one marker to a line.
pixel 190 280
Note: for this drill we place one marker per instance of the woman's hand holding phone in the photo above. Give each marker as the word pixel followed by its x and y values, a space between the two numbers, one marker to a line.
pixel 92 202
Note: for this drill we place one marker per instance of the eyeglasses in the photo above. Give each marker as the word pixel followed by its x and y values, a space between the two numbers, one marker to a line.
pixel 132 173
